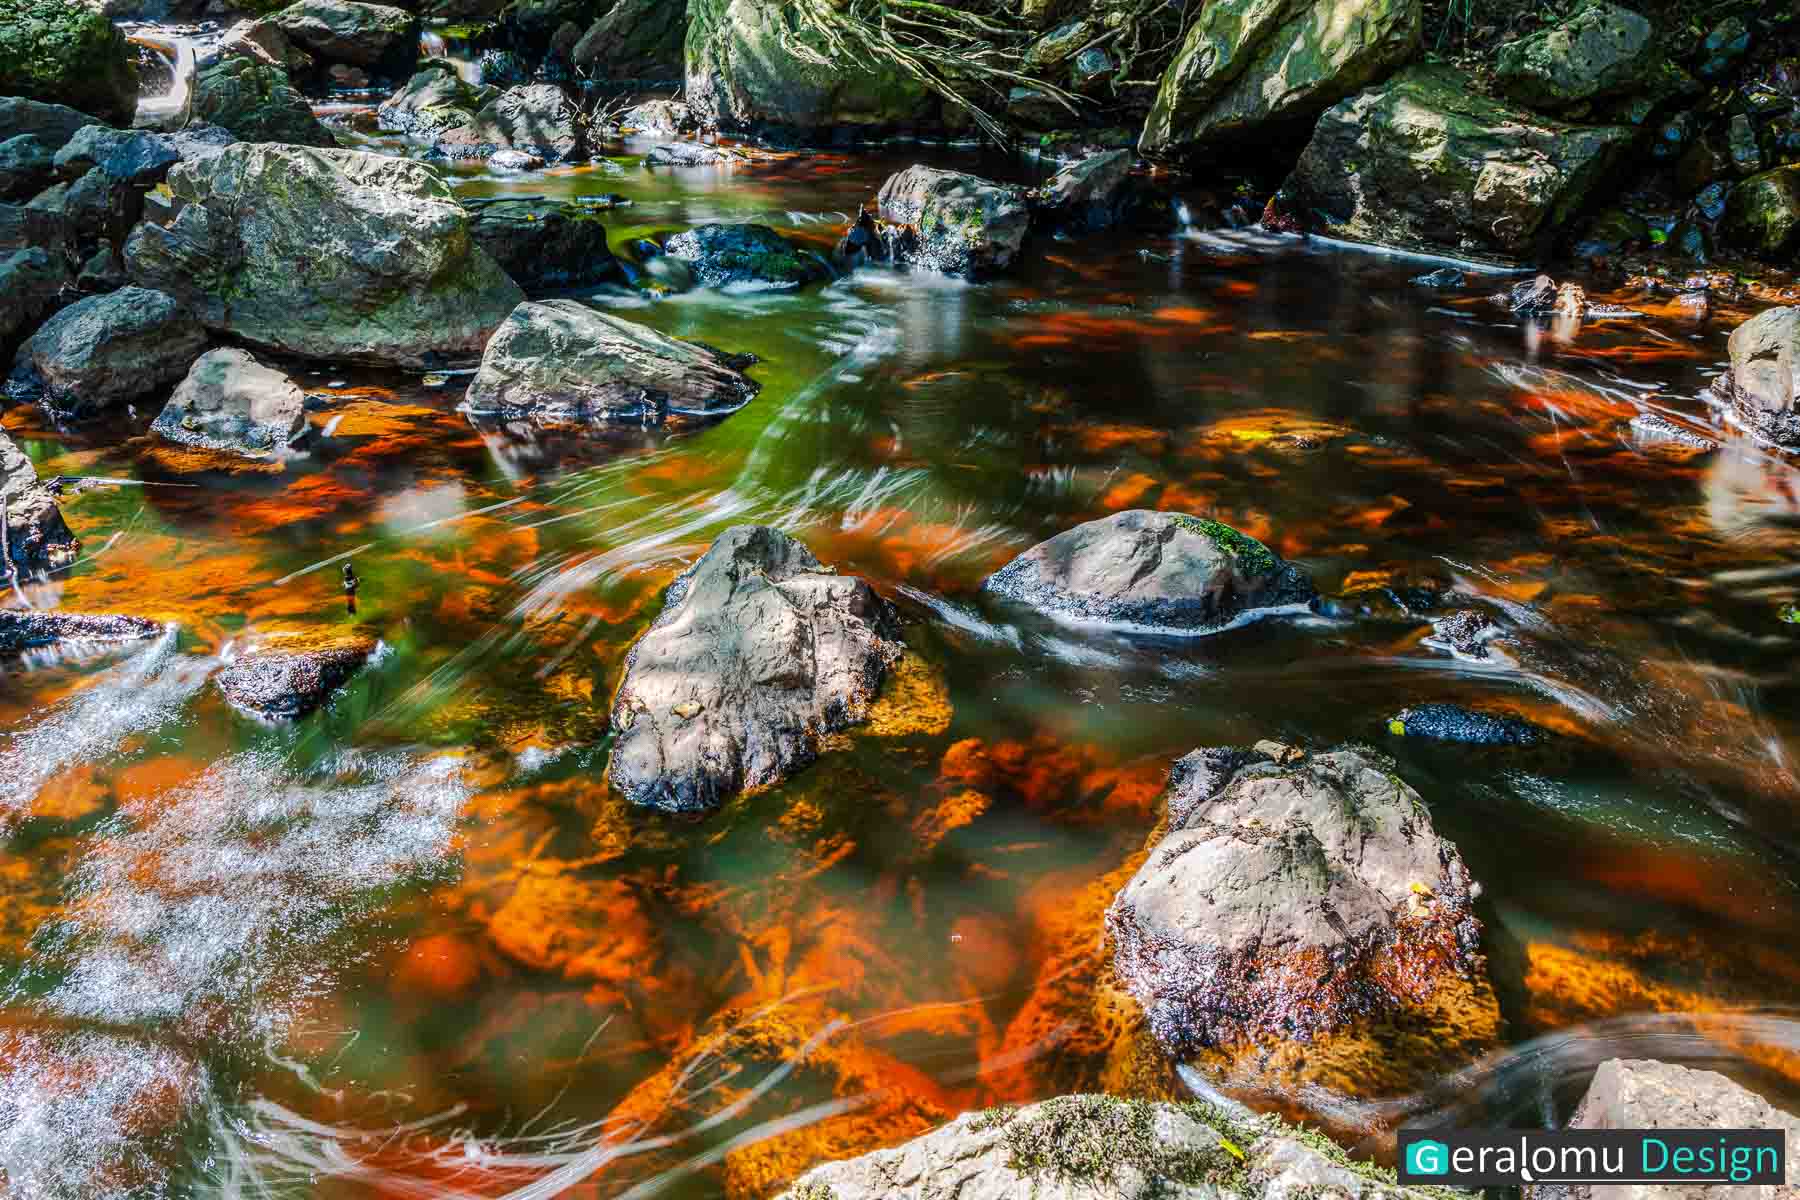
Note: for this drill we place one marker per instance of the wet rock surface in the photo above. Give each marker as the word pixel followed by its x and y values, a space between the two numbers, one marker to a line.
pixel 36 536
pixel 29 629
pixel 229 401
pixel 692 154
pixel 952 222
pixel 726 255
pixel 1087 195
pixel 761 651
pixel 1154 571
pixel 344 31
pixel 392 273
pixel 1290 901
pixel 106 350
pixel 435 102
pixel 543 244
pixel 1468 726
pixel 561 361
pixel 1764 381
pixel 52 124
pixel 285 678
pixel 658 118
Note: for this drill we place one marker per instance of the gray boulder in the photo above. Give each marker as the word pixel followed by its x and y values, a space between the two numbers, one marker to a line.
pixel 286 678
pixel 344 31
pixel 27 163
pixel 128 156
pixel 52 124
pixel 1764 381
pixel 951 222
pixel 36 537
pixel 561 361
pixel 391 273
pixel 106 350
pixel 537 118
pixel 1151 571
pixel 692 154
pixel 34 629
pixel 31 286
pixel 543 244
pixel 229 401
pixel 1250 69
pixel 254 99
pixel 745 255
pixel 759 654
pixel 635 41
pixel 1290 901
pixel 658 118
pixel 1425 162
pixel 1087 195
pixel 1600 50
pixel 434 103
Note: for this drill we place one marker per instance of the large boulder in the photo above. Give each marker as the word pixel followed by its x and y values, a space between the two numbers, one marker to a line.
pixel 1151 571
pixel 1600 50
pixel 543 244
pixel 951 222
pixel 51 124
pixel 229 401
pixel 26 166
pixel 536 118
pixel 434 102
pixel 745 74
pixel 254 99
pixel 1763 213
pixel 1290 901
pixel 128 156
pixel 561 361
pixel 745 256
pixel 65 53
pixel 635 41
pixel 1251 69
pixel 657 118
pixel 31 286
pixel 1086 195
pixel 1764 381
pixel 106 350
pixel 1105 1148
pixel 36 537
pixel 391 274
pixel 345 31
pixel 760 653
pixel 1425 162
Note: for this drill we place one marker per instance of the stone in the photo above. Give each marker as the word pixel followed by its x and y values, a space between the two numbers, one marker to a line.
pixel 1723 45
pixel 1465 726
pixel 561 361
pixel 658 118
pixel 1058 46
pixel 745 75
pixel 1534 297
pixel 543 243
pixel 1763 384
pixel 266 42
pixel 1290 901
pixel 1762 214
pixel 434 102
pixel 105 350
pixel 1155 572
pixel 537 118
pixel 692 154
pixel 229 401
pixel 392 274
pixel 516 161
pixel 51 124
pixel 55 52
pixel 26 164
pixel 1600 50
pixel 954 223
pixel 31 287
pixel 1641 1093
pixel 1036 109
pixel 1087 195
pixel 635 41
pixel 101 273
pixel 39 224
pixel 745 256
pixel 32 629
pixel 287 677
pixel 1465 633
pixel 254 100
pixel 37 539
pixel 1425 162
pixel 344 31
pixel 760 653
pixel 1251 69
pixel 128 156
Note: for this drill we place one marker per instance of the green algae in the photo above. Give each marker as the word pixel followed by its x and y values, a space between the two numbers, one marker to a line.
pixel 1245 549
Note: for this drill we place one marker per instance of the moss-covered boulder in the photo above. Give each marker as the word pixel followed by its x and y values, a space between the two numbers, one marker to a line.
pixel 1601 50
pixel 1424 162
pixel 752 256
pixel 1251 68
pixel 1763 214
pixel 952 222
pixel 254 99
pixel 62 52
pixel 390 272
pixel 345 31
pixel 746 72
pixel 434 102
pixel 635 41
pixel 544 244
pixel 104 351
pixel 536 118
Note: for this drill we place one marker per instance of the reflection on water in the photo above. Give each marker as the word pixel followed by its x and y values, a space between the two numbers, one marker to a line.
pixel 413 947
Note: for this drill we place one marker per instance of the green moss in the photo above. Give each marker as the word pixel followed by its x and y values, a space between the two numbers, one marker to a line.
pixel 1090 1138
pixel 61 52
pixel 814 1191
pixel 1249 552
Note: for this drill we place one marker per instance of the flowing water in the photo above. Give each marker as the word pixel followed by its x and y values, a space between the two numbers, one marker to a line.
pixel 411 946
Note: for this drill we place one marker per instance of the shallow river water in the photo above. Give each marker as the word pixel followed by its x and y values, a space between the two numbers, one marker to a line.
pixel 411 947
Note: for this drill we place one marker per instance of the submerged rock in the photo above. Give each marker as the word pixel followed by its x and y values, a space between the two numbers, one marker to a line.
pixel 760 652
pixel 1153 571
pixel 344 31
pixel 63 53
pixel 229 401
pixel 31 630
pixel 561 361
pixel 543 243
pixel 105 350
pixel 1600 50
pixel 1763 384
pixel 399 281
pixel 722 255
pixel 1247 70
pixel 1454 723
pixel 951 222
pixel 287 677
pixel 1425 162
pixel 36 537
pixel 1290 901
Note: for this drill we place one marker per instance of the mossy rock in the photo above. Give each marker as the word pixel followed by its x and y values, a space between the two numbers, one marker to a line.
pixel 1601 50
pixel 1763 214
pixel 63 53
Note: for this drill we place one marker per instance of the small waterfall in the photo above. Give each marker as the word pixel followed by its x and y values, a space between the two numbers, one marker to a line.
pixel 433 44
pixel 165 111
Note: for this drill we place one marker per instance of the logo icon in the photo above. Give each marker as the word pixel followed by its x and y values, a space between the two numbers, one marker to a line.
pixel 1427 1158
